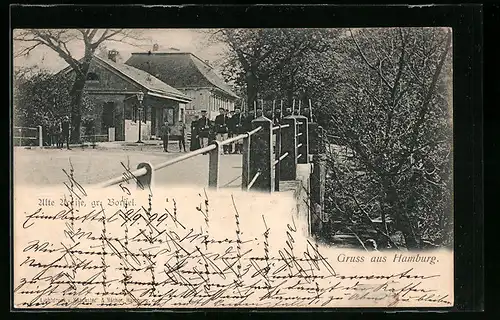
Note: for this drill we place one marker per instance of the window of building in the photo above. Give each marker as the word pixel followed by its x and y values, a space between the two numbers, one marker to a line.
pixel 92 76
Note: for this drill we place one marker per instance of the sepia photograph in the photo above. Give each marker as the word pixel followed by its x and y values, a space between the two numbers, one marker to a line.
pixel 340 138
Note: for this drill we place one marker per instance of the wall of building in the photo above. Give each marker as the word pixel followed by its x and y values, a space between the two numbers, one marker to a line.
pixel 206 99
pixel 108 80
pixel 110 87
pixel 97 102
pixel 132 130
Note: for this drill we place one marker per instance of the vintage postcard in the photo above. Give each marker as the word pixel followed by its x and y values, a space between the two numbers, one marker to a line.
pixel 233 168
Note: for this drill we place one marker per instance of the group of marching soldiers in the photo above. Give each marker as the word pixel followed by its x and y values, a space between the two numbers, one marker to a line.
pixel 232 123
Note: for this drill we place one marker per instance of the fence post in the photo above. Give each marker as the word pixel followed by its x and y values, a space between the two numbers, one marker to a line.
pixel 214 165
pixel 261 155
pixel 277 167
pixel 40 136
pixel 288 166
pixel 303 139
pixel 146 180
pixel 245 164
pixel 318 178
pixel 313 129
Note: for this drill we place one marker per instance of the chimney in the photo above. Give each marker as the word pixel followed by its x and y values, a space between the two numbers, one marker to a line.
pixel 112 55
pixel 155 47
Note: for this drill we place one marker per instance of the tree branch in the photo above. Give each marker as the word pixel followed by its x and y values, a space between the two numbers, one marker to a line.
pixel 378 70
pixel 430 92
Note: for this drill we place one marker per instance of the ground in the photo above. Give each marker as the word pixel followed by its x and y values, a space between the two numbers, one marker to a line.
pixel 45 166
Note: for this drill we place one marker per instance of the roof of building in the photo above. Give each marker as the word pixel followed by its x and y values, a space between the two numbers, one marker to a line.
pixel 154 85
pixel 180 70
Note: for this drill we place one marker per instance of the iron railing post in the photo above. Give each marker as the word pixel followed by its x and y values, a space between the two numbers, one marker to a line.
pixel 303 139
pixel 245 163
pixel 40 136
pixel 214 166
pixel 261 155
pixel 313 129
pixel 288 166
pixel 145 181
pixel 277 167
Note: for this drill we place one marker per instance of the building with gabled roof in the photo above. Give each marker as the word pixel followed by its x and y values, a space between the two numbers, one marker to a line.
pixel 114 90
pixel 190 75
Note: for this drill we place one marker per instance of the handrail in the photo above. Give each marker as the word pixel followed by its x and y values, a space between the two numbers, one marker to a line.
pixel 143 171
pixel 280 158
pixel 136 173
pixel 234 139
pixel 253 180
pixel 240 137
pixel 281 126
pixel 33 128
pixel 185 156
pixel 249 133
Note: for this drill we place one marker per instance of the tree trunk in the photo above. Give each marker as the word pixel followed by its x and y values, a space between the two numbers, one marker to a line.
pixel 252 89
pixel 403 225
pixel 291 89
pixel 76 108
pixel 401 219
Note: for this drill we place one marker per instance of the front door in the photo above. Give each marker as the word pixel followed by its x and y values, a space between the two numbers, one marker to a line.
pixel 108 117
pixel 153 122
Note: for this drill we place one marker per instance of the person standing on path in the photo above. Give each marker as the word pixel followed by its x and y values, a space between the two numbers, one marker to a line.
pixel 203 129
pixel 230 129
pixel 221 128
pixel 194 144
pixel 235 127
pixel 165 134
pixel 182 137
pixel 247 121
pixel 65 132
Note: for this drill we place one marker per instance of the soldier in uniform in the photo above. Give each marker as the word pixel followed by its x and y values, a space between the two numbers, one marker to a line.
pixel 203 129
pixel 55 131
pixel 165 135
pixel 247 121
pixel 221 128
pixel 195 142
pixel 64 132
pixel 230 130
pixel 182 137
pixel 235 128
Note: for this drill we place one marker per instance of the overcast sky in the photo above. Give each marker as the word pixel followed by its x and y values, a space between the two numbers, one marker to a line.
pixel 189 40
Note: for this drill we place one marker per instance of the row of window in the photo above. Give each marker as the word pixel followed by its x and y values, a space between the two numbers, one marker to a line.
pixel 217 102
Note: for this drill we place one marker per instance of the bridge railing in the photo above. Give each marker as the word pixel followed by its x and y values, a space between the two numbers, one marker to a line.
pixel 270 154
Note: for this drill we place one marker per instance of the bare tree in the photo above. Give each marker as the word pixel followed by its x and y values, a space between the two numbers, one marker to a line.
pixel 60 41
pixel 258 55
pixel 390 105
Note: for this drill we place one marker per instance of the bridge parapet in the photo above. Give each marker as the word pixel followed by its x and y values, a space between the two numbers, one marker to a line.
pixel 275 157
